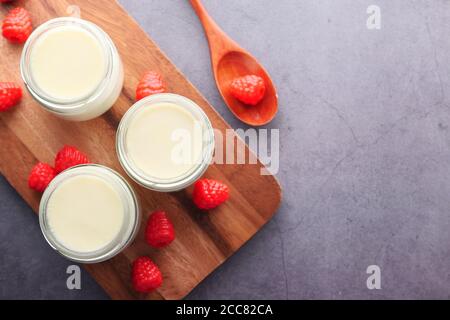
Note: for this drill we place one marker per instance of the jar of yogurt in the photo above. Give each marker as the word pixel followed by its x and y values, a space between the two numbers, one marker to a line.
pixel 89 213
pixel 72 68
pixel 165 142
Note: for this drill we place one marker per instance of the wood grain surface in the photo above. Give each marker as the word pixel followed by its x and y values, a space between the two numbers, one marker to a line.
pixel 204 240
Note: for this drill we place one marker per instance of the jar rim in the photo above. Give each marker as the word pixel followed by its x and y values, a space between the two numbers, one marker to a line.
pixel 159 184
pixel 64 106
pixel 131 213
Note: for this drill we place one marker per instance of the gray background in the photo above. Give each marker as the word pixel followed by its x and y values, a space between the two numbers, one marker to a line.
pixel 365 152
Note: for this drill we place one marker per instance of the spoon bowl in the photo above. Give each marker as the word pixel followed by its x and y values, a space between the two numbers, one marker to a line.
pixel 237 64
pixel 230 61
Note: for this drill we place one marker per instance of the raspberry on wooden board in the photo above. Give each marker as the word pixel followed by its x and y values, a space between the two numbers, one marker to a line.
pixel 150 83
pixel 159 231
pixel 145 275
pixel 68 157
pixel 41 175
pixel 10 95
pixel 17 25
pixel 209 193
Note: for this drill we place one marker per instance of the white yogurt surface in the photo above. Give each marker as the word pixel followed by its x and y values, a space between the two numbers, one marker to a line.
pixel 164 140
pixel 85 213
pixel 67 63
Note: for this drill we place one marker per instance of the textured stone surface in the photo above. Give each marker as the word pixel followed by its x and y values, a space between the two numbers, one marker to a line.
pixel 365 152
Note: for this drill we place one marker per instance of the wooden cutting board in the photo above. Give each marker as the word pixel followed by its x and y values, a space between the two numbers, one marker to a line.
pixel 204 240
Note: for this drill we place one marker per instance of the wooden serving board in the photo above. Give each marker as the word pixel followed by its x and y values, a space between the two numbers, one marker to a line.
pixel 204 240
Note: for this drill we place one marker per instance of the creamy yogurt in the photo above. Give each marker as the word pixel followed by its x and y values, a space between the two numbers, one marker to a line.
pixel 165 142
pixel 85 213
pixel 68 63
pixel 89 213
pixel 72 68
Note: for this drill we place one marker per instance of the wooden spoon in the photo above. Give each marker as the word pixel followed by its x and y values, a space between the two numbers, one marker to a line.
pixel 229 61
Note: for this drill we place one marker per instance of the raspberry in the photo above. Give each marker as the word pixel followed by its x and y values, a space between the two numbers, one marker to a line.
pixel 41 175
pixel 145 275
pixel 10 95
pixel 68 157
pixel 159 232
pixel 17 26
pixel 151 83
pixel 249 89
pixel 209 193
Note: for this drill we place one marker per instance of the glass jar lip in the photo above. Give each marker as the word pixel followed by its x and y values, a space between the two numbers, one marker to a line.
pixel 131 206
pixel 154 183
pixel 70 105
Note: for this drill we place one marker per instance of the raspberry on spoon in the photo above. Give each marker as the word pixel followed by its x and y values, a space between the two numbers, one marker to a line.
pixel 248 89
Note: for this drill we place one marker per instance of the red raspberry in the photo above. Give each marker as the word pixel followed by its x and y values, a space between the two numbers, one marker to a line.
pixel 40 176
pixel 151 83
pixel 145 275
pixel 4 1
pixel 159 232
pixel 209 193
pixel 10 95
pixel 249 89
pixel 68 157
pixel 17 25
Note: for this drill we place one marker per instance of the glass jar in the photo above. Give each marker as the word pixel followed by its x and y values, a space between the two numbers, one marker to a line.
pixel 154 141
pixel 106 86
pixel 58 230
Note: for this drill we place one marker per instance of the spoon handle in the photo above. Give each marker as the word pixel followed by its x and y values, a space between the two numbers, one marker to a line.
pixel 219 42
